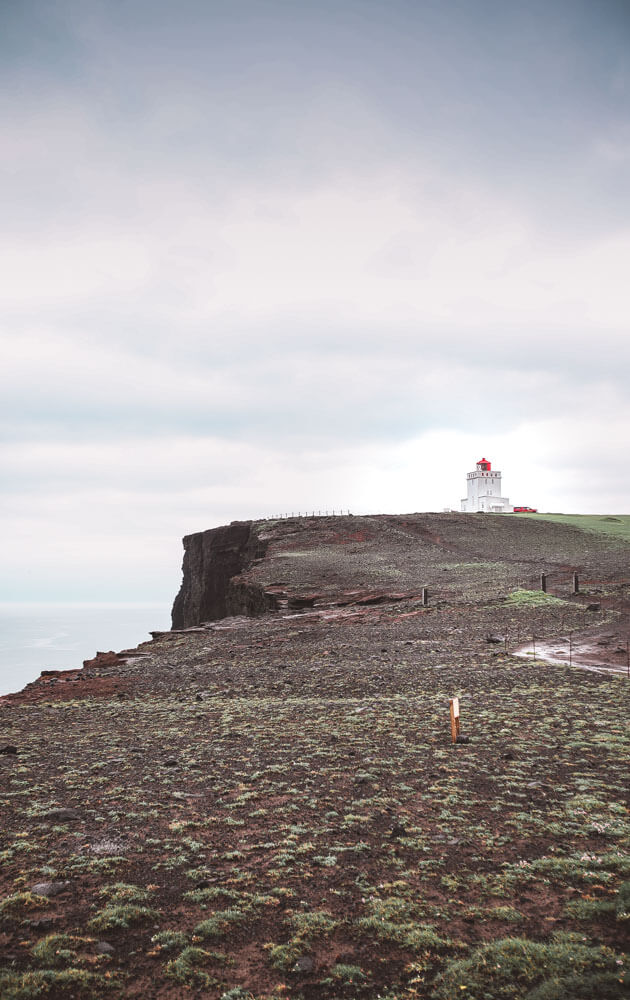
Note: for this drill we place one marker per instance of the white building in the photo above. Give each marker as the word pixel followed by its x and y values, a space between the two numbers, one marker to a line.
pixel 484 491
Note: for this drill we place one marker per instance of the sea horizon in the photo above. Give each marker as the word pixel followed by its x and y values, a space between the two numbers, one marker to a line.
pixel 60 635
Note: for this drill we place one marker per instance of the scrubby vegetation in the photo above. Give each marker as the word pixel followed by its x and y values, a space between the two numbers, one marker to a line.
pixel 277 810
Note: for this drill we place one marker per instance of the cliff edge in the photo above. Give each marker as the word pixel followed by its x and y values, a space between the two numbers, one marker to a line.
pixel 250 567
pixel 211 559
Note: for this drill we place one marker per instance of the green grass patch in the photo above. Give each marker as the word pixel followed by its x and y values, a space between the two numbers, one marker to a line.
pixel 615 526
pixel 188 967
pixel 566 968
pixel 40 983
pixel 533 599
pixel 122 915
pixel 60 949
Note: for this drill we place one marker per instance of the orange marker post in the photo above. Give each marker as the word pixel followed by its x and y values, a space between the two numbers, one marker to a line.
pixel 454 703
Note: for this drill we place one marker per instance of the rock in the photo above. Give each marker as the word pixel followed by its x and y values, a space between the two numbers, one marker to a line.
pixel 495 639
pixel 593 607
pixel 65 815
pixel 103 948
pixel 212 559
pixel 171 762
pixel 303 965
pixel 298 602
pixel 463 739
pixel 8 749
pixel 41 924
pixel 50 888
pixel 398 830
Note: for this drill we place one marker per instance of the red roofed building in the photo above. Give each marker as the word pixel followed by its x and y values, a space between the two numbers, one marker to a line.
pixel 484 491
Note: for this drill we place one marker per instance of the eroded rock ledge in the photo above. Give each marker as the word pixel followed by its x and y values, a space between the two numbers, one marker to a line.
pixel 211 559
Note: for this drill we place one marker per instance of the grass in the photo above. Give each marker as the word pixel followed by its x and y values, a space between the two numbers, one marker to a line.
pixel 41 982
pixel 343 973
pixel 534 599
pixel 565 968
pixel 617 526
pixel 188 967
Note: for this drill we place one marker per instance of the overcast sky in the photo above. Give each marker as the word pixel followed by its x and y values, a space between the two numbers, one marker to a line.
pixel 259 256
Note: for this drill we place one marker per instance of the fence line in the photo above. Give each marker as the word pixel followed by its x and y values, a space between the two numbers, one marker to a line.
pixel 306 513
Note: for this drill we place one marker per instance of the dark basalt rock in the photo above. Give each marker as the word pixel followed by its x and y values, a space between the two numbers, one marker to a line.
pixel 211 560
pixel 50 889
pixel 60 815
pixel 304 965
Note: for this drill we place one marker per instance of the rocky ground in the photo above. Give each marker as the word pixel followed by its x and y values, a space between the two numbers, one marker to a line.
pixel 272 806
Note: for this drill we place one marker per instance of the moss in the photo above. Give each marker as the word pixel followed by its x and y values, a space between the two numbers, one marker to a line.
pixel 26 985
pixel 520 969
pixel 122 915
pixel 59 949
pixel 188 967
pixel 18 902
pixel 534 599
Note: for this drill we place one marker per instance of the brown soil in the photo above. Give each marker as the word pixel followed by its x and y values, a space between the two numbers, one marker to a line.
pixel 300 763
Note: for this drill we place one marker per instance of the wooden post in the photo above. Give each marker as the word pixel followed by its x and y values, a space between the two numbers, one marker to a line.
pixel 534 645
pixel 425 597
pixel 543 582
pixel 570 649
pixel 576 584
pixel 454 704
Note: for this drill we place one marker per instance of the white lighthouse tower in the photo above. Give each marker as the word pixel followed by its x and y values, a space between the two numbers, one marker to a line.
pixel 484 491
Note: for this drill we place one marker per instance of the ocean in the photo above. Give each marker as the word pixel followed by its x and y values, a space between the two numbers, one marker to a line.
pixel 36 637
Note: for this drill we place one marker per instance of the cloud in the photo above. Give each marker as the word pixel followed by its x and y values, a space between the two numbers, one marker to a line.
pixel 307 256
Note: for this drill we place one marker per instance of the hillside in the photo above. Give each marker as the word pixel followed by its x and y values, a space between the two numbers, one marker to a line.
pixel 324 560
pixel 265 802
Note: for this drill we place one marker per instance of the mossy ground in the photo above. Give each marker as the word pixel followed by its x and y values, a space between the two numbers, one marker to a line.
pixel 275 809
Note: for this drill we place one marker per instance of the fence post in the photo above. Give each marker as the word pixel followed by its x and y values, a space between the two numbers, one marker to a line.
pixel 425 597
pixel 543 582
pixel 454 706
pixel 576 584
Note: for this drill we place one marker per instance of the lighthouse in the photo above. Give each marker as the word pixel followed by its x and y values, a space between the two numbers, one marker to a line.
pixel 484 491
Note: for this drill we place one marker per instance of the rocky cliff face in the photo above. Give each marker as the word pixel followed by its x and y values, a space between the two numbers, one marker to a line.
pixel 211 559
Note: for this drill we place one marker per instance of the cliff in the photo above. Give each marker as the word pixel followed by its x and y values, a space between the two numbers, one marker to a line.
pixel 211 560
pixel 323 563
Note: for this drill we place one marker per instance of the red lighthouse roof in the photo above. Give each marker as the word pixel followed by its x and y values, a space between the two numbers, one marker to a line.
pixel 485 464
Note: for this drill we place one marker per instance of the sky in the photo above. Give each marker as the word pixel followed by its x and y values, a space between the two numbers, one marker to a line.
pixel 264 256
